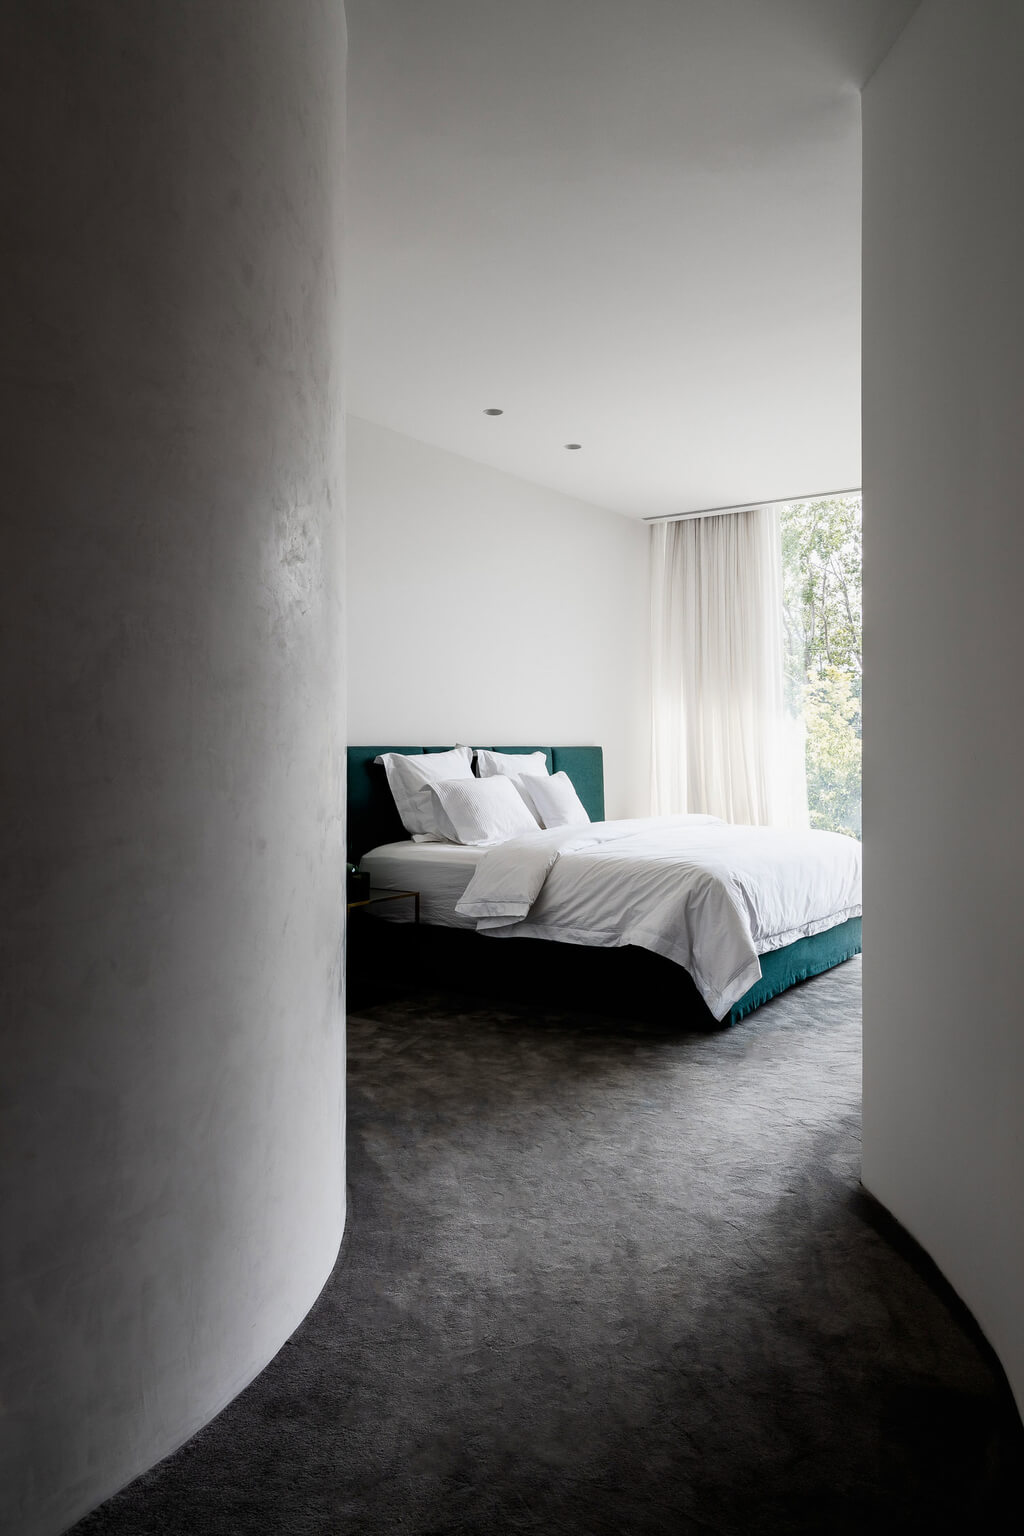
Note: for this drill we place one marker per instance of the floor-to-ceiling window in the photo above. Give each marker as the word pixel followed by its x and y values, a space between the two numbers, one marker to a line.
pixel 821 563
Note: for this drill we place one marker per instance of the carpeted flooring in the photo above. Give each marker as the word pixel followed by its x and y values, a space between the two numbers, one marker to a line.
pixel 603 1278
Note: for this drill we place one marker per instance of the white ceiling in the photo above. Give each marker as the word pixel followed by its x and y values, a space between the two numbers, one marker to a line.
pixel 631 224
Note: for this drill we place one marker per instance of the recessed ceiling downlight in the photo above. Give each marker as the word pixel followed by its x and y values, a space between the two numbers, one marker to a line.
pixel 493 410
pixel 574 445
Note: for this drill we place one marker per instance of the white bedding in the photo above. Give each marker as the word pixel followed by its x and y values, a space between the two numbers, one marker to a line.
pixel 707 895
pixel 439 871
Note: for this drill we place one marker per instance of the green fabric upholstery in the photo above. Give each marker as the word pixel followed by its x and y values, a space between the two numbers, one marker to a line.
pixel 372 816
pixel 585 766
pixel 782 968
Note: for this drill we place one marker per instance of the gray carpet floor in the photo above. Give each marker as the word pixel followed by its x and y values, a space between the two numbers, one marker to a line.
pixel 601 1277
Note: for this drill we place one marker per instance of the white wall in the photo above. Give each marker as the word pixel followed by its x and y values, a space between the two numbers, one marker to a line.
pixel 944 642
pixel 486 610
pixel 171 1092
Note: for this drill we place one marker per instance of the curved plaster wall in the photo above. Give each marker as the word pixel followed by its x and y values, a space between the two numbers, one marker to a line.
pixel 171 1100
pixel 944 638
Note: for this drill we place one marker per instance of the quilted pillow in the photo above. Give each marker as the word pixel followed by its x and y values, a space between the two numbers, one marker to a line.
pixel 483 811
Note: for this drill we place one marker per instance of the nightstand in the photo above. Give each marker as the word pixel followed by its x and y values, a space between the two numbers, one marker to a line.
pixel 385 893
pixel 381 956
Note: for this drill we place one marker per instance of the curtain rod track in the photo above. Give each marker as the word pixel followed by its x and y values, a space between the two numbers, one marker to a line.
pixel 749 506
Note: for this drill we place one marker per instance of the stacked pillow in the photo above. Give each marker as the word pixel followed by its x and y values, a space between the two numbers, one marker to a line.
pixel 551 797
pixel 513 766
pixel 440 801
pixel 484 811
pixel 509 764
pixel 410 779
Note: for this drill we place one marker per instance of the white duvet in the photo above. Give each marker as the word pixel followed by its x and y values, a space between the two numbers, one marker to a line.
pixel 706 894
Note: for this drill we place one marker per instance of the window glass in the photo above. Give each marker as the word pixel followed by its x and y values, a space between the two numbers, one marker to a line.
pixel 821 563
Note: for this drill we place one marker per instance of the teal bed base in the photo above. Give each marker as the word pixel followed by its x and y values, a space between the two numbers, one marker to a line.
pixel 783 968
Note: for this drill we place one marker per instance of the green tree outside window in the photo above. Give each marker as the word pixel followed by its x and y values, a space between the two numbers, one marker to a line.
pixel 821 565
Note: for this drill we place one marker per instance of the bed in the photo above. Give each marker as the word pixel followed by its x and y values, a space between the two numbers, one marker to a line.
pixel 661 960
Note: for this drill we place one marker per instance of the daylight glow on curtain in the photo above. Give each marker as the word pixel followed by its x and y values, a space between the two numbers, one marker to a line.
pixel 722 742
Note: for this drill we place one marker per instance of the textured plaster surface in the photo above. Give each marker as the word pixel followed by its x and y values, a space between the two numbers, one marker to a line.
pixel 172 1096
pixel 944 637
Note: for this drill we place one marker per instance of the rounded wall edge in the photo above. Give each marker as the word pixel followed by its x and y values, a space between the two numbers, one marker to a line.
pixel 172 1105
pixel 232 1390
pixel 943 464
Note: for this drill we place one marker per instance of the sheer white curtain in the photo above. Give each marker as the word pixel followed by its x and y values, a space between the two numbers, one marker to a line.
pixel 723 742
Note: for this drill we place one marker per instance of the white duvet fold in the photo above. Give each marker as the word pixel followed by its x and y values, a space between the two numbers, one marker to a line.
pixel 705 894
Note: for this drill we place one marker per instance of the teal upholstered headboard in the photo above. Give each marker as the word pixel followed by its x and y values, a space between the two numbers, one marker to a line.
pixel 372 818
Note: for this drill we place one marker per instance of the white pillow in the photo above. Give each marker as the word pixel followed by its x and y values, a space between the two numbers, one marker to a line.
pixel 483 810
pixel 555 800
pixel 410 778
pixel 511 764
pixel 517 780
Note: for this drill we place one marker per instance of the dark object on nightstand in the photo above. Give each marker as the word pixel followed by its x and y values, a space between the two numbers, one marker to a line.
pixel 357 884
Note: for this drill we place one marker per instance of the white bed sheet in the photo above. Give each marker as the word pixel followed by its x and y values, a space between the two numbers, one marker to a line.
pixel 439 871
pixel 709 896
